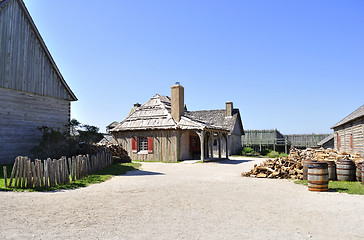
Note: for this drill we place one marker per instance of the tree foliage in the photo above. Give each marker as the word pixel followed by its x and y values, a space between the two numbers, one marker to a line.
pixel 55 144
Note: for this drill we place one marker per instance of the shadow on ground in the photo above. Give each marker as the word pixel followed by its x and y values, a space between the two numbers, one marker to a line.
pixel 142 173
pixel 230 161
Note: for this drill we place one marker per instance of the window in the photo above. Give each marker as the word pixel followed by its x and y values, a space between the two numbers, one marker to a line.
pixel 143 144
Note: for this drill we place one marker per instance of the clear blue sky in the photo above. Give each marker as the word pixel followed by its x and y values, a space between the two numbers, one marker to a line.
pixel 297 66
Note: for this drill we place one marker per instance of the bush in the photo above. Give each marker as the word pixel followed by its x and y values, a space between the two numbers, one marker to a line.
pixel 247 151
pixel 55 144
pixel 273 154
pixel 283 155
pixel 265 152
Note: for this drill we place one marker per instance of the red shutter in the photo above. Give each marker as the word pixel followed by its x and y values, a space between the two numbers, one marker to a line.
pixel 134 144
pixel 351 141
pixel 338 142
pixel 150 144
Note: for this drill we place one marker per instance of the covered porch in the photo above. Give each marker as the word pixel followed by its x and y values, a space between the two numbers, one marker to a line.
pixel 206 145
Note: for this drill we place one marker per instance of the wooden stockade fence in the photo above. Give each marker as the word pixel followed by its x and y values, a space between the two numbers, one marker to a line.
pixel 48 173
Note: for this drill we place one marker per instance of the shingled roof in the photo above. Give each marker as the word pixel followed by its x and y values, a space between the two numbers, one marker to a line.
pixel 354 115
pixel 325 140
pixel 217 118
pixel 156 114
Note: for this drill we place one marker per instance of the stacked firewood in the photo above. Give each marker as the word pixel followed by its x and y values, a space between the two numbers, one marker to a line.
pixel 281 168
pixel 291 167
pixel 119 154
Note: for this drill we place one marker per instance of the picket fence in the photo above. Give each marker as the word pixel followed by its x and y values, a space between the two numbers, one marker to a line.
pixel 48 173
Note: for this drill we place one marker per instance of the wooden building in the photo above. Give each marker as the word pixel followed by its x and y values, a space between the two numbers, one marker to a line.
pixel 163 130
pixel 303 141
pixel 327 142
pixel 265 139
pixel 275 140
pixel 33 92
pixel 349 132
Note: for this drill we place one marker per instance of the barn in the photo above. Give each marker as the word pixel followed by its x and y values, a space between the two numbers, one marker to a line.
pixel 163 130
pixel 33 92
pixel 349 132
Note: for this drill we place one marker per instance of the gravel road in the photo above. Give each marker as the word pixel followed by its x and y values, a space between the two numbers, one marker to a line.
pixel 184 201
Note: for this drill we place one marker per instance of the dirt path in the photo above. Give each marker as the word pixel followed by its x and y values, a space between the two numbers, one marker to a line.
pixel 184 201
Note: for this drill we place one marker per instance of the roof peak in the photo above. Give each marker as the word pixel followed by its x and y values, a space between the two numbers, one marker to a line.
pixel 352 116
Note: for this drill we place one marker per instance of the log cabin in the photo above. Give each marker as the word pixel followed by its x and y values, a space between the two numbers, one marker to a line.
pixel 33 92
pixel 349 132
pixel 163 130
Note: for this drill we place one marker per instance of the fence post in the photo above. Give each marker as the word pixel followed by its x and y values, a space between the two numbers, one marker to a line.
pixel 28 174
pixel 46 173
pixel 5 176
pixel 32 165
pixel 24 172
pixel 41 173
pixel 13 171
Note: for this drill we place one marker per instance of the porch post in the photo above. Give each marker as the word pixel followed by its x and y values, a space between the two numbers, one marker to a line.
pixel 227 146
pixel 211 143
pixel 202 142
pixel 219 144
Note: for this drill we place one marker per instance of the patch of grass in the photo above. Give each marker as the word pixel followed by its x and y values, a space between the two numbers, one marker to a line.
pixel 341 186
pixel 100 176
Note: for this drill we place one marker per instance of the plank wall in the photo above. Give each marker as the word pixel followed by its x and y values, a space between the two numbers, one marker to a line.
pixel 354 128
pixel 24 63
pixel 164 145
pixel 20 115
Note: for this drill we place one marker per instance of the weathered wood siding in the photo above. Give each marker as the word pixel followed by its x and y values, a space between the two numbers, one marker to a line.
pixel 305 140
pixel 235 145
pixel 165 145
pixel 20 115
pixel 354 128
pixel 24 64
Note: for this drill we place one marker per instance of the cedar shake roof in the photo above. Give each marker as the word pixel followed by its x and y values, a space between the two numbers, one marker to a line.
pixel 156 114
pixel 112 125
pixel 217 118
pixel 354 115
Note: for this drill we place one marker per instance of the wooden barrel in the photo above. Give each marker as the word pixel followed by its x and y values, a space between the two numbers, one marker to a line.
pixel 331 169
pixel 318 176
pixel 358 171
pixel 345 170
pixel 305 167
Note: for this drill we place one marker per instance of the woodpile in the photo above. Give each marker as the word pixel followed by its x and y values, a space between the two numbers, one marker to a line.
pixel 291 167
pixel 120 155
pixel 281 168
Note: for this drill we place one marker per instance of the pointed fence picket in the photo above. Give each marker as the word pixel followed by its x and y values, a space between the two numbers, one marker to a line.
pixel 49 173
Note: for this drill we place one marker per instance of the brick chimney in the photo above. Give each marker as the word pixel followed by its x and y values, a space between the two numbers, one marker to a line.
pixel 177 102
pixel 229 109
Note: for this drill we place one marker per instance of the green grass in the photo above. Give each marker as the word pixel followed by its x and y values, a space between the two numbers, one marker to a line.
pixel 100 176
pixel 341 186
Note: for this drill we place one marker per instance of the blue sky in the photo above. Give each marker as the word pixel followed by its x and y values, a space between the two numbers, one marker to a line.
pixel 297 66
